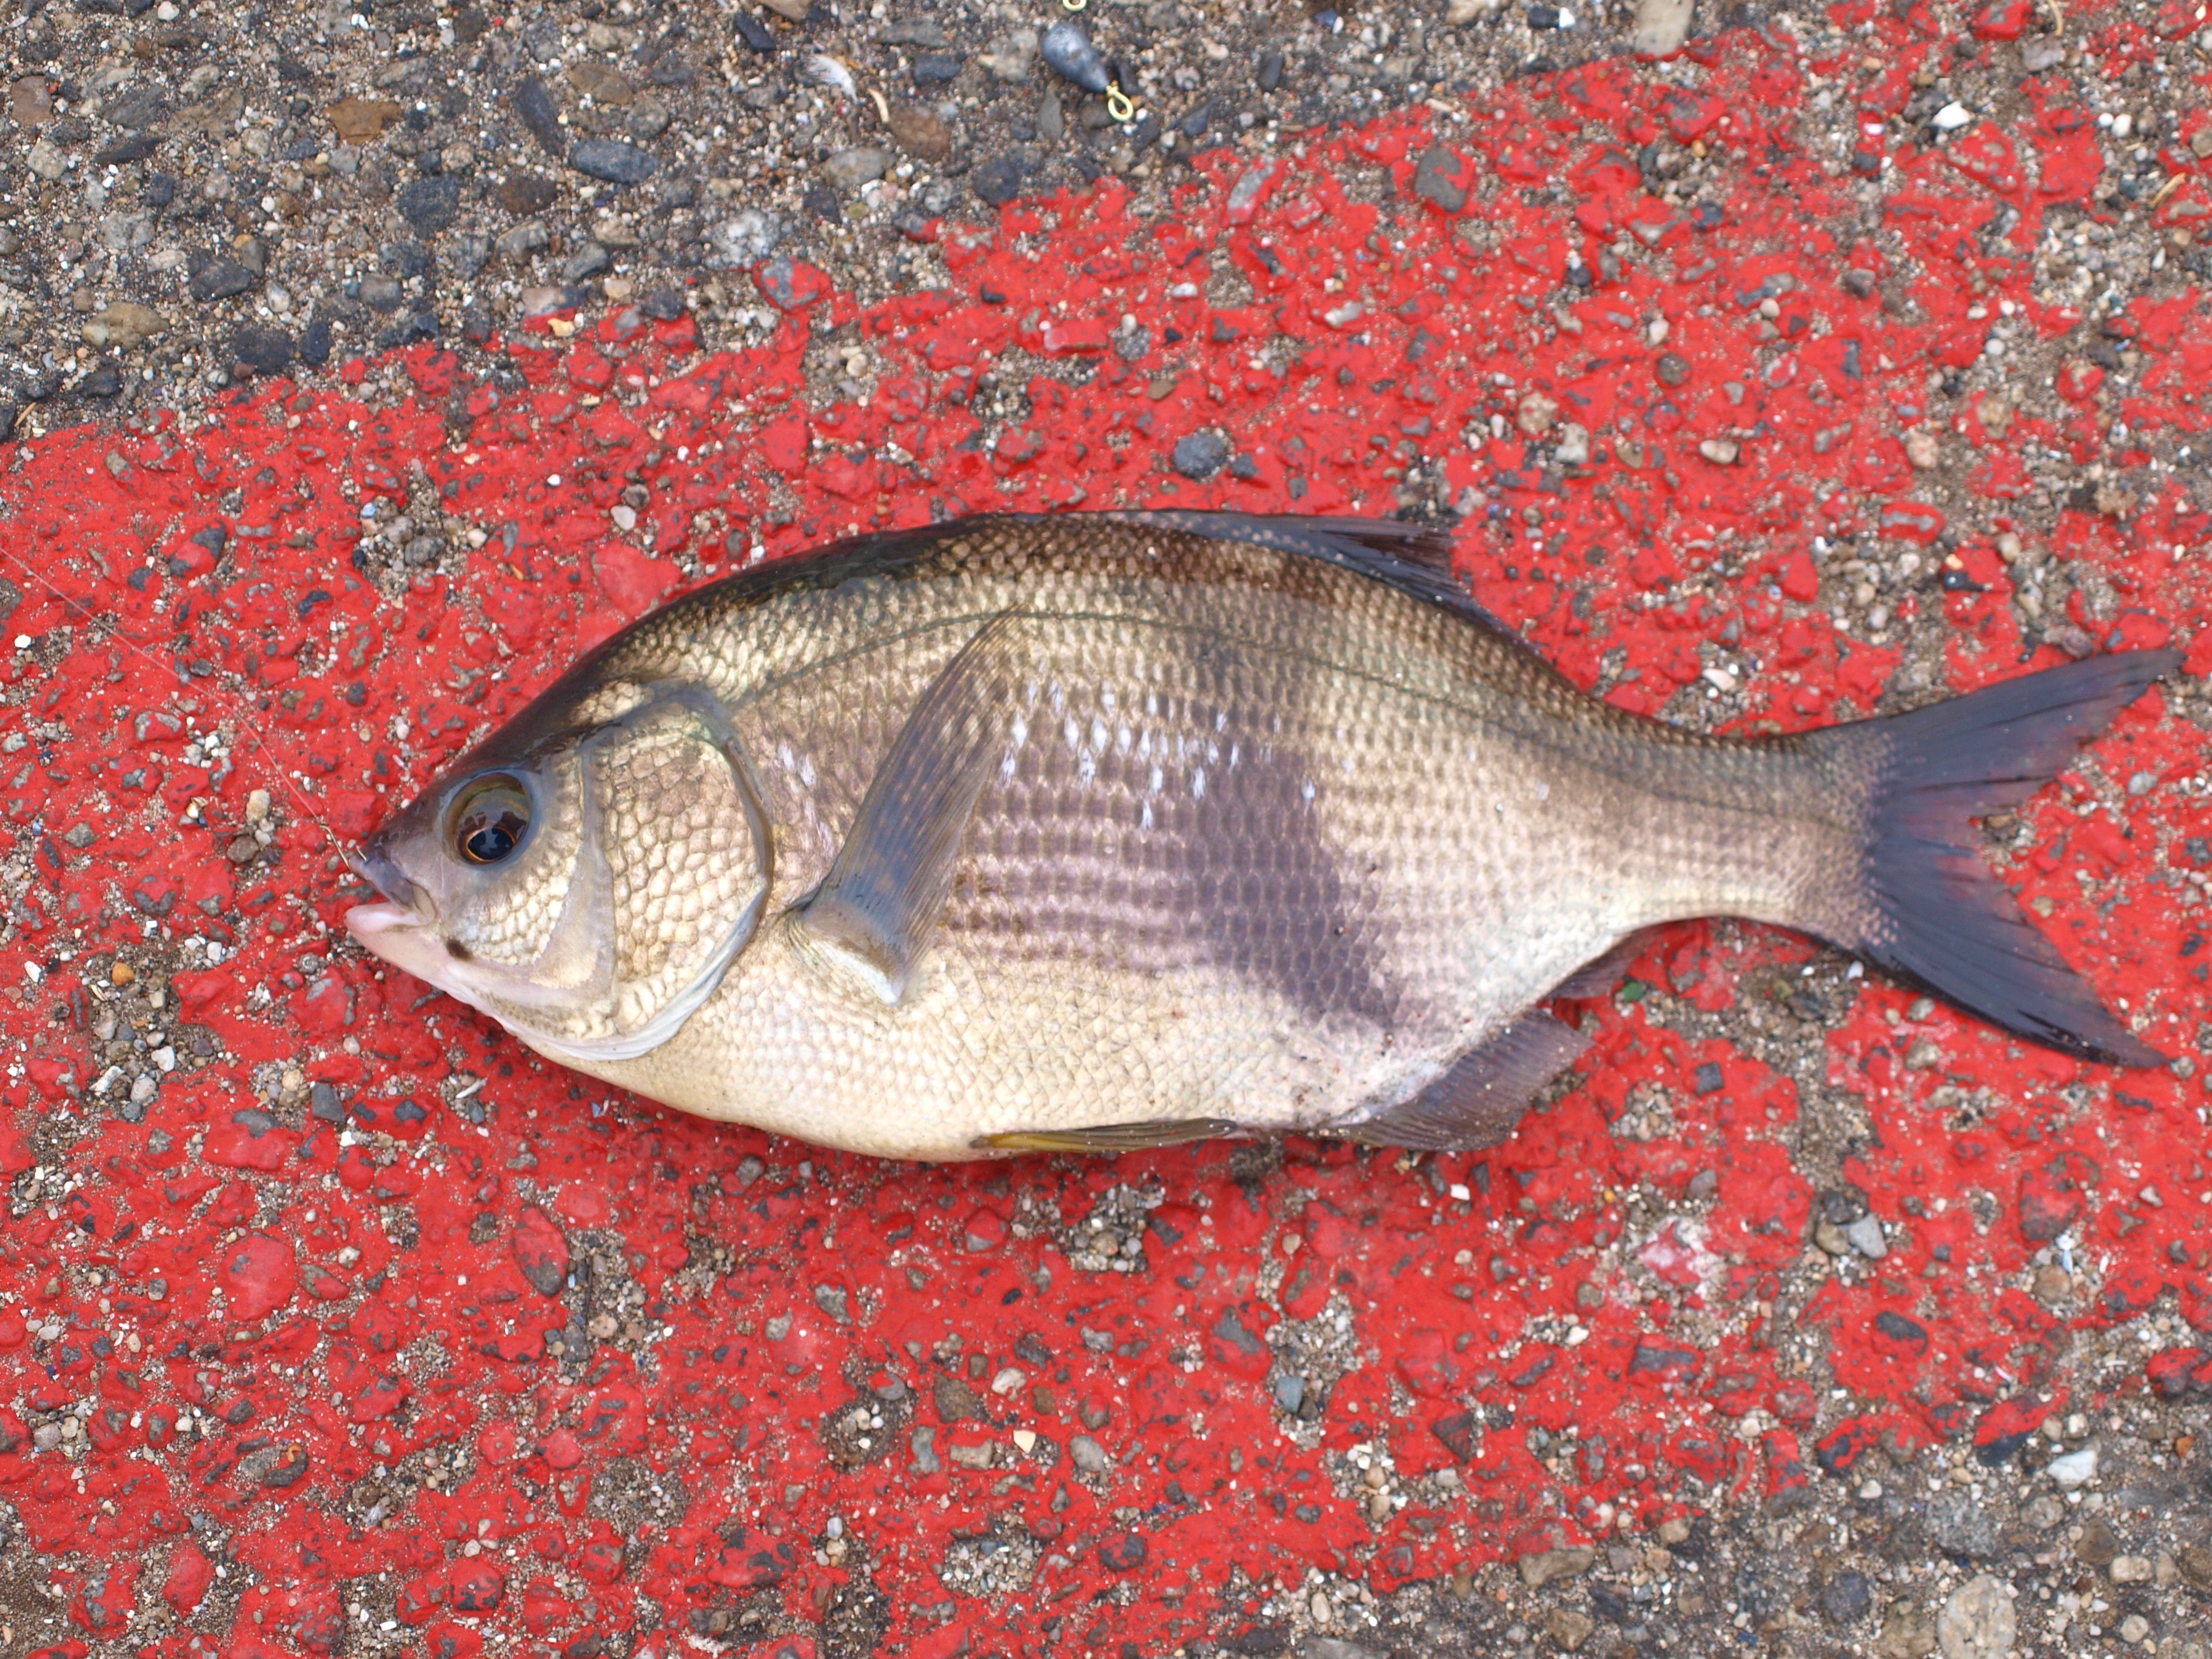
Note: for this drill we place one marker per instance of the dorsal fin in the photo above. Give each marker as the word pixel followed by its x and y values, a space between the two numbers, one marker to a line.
pixel 1414 558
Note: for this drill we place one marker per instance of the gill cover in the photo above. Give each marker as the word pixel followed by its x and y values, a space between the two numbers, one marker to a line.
pixel 672 859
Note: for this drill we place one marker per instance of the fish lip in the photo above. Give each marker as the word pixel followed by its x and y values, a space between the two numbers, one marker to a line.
pixel 372 924
pixel 373 866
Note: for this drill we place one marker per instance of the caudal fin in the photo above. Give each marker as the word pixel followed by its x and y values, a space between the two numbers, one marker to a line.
pixel 1924 904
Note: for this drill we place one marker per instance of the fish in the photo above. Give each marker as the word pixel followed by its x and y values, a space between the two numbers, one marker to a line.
pixel 1097 831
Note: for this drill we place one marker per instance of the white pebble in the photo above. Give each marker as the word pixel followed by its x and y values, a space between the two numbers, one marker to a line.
pixel 2076 1469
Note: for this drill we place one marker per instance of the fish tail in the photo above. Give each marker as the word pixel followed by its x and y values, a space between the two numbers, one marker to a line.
pixel 1922 903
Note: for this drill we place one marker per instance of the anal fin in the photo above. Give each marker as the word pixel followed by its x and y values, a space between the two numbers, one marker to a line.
pixel 1109 1137
pixel 1479 1098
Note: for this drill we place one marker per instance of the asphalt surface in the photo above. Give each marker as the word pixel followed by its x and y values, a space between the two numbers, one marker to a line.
pixel 1843 360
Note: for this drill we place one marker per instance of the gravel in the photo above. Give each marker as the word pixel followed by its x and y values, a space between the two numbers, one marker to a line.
pixel 186 205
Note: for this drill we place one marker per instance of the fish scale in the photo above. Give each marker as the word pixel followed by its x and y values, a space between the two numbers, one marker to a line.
pixel 1108 830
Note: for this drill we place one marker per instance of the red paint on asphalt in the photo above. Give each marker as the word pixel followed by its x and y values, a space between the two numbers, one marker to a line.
pixel 329 1301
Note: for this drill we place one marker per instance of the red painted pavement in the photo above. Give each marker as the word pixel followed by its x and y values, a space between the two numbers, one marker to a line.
pixel 252 1311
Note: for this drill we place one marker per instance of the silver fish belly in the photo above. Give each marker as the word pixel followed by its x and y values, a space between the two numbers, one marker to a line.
pixel 1098 831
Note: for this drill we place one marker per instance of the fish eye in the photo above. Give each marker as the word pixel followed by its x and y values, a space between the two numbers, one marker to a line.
pixel 490 820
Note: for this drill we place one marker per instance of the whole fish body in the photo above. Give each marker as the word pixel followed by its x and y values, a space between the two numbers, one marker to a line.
pixel 1104 830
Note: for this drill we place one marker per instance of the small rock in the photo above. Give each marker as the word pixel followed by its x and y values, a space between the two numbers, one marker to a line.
pixel 1922 449
pixel 263 350
pixel 123 325
pixel 538 301
pixel 792 10
pixel 1721 451
pixel 923 1444
pixel 1538 1571
pixel 915 31
pixel 1661 28
pixel 957 1402
pixel 2074 1469
pixel 380 293
pixel 2134 1628
pixel 1012 55
pixel 1567 1628
pixel 1290 1391
pixel 1960 1524
pixel 2042 52
pixel 219 279
pixel 1865 1235
pixel 1089 1455
pixel 521 242
pixel 935 68
pixel 1953 116
pixel 430 204
pixel 2098 1545
pixel 918 132
pixel 998 180
pixel 849 169
pixel 746 238
pixel 1068 52
pixel 588 261
pixel 1536 415
pixel 534 104
pixel 362 120
pixel 613 160
pixel 1459 12
pixel 755 34
pixel 1845 1599
pixel 2132 1569
pixel 1573 446
pixel 1672 369
pixel 526 193
pixel 1199 455
pixel 2195 1561
pixel 1436 179
pixel 1977 1622
pixel 647 119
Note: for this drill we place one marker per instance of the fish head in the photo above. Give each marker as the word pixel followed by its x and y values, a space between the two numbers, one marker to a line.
pixel 585 876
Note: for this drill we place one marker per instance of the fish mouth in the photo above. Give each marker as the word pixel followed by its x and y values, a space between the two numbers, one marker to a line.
pixel 374 866
pixel 382 928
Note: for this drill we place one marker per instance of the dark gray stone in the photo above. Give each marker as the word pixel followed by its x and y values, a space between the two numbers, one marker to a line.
pixel 1435 179
pixel 1201 454
pixel 1845 1599
pixel 589 260
pixel 430 204
pixel 264 351
pixel 380 293
pixel 998 180
pixel 935 68
pixel 535 106
pixel 219 279
pixel 136 108
pixel 613 160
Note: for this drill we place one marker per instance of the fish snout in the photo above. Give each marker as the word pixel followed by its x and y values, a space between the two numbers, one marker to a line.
pixel 374 865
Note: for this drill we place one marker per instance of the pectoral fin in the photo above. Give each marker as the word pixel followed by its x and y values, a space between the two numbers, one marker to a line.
pixel 1110 1137
pixel 1477 1102
pixel 877 911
